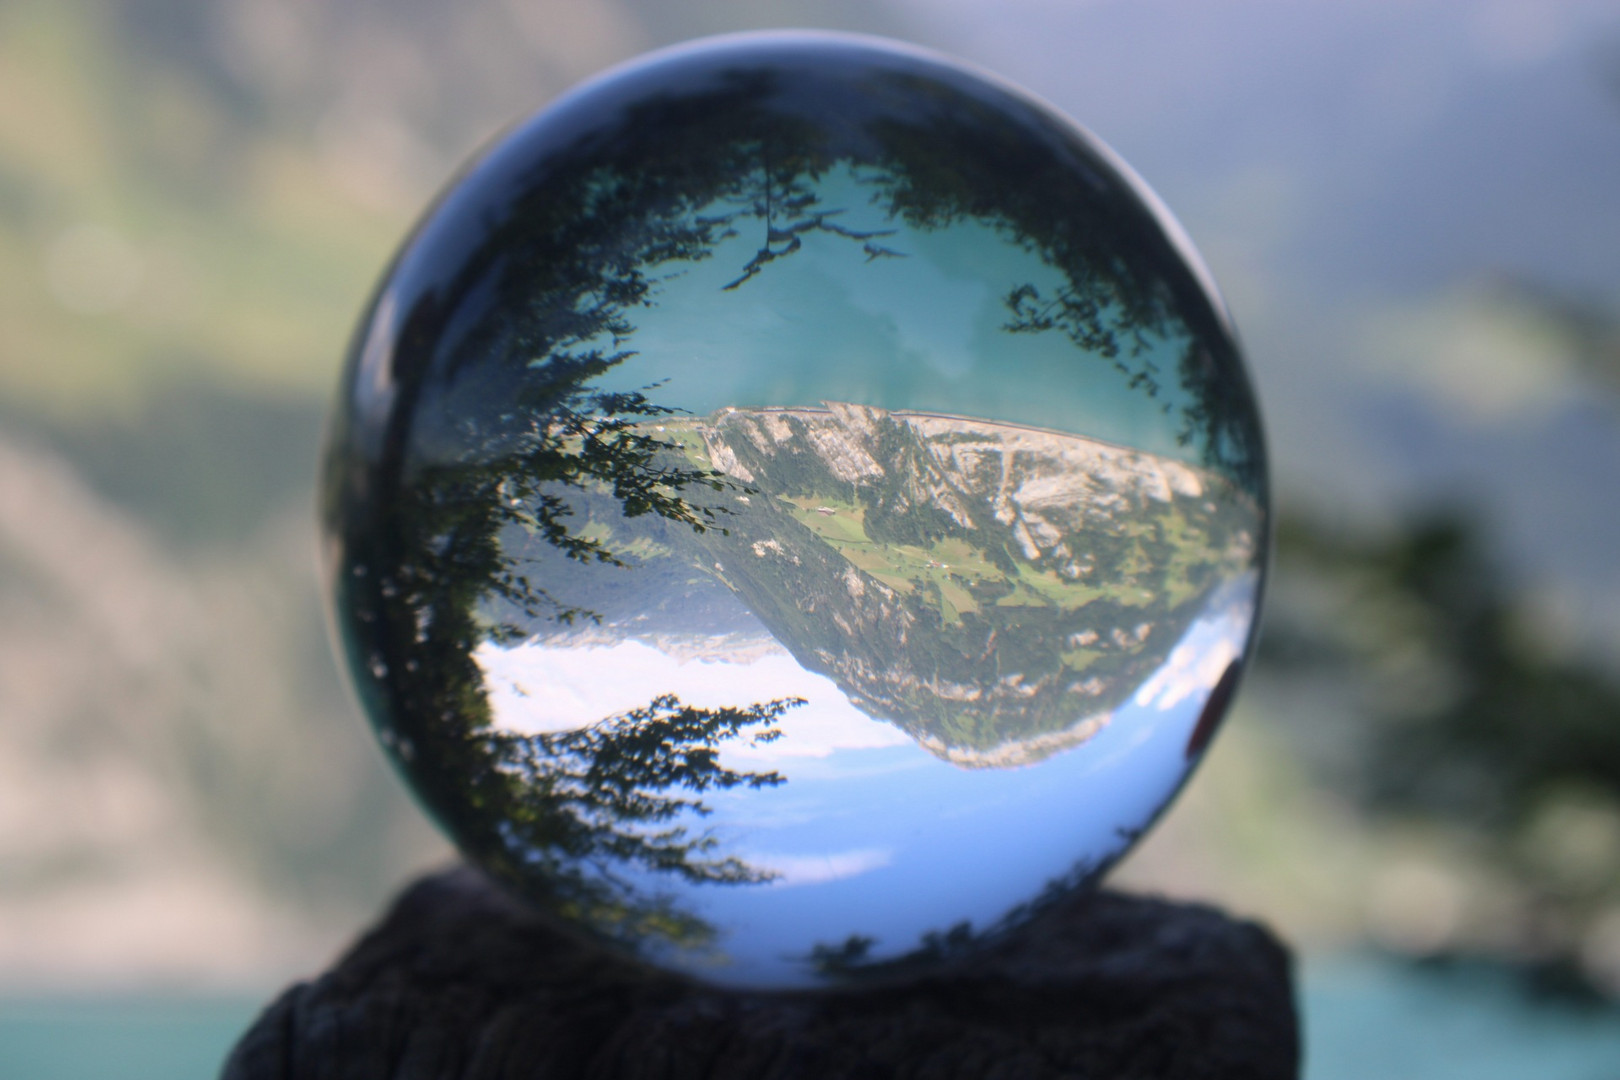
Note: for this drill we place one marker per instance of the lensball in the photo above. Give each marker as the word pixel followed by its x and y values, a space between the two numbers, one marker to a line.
pixel 795 507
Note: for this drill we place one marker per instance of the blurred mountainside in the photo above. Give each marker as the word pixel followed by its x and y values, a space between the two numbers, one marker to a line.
pixel 194 186
pixel 197 195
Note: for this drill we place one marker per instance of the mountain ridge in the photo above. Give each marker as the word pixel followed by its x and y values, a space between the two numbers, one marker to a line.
pixel 995 590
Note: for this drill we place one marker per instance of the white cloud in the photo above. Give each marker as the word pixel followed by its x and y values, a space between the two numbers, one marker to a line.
pixel 795 870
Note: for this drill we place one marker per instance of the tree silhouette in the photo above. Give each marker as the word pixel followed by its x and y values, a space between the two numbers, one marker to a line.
pixel 602 793
pixel 497 415
pixel 496 411
pixel 957 157
pixel 573 811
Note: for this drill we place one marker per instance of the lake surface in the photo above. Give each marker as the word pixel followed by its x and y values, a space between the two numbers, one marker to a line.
pixel 1364 1017
pixel 120 1038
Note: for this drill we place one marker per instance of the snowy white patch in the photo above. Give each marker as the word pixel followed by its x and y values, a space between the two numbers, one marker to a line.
pixel 534 687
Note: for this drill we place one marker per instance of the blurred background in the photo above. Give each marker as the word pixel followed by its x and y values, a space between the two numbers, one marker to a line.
pixel 1413 208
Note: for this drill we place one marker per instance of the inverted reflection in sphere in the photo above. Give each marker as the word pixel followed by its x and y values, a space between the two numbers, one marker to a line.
pixel 795 505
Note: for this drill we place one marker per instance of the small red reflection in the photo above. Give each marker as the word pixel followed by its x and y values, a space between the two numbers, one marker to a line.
pixel 1214 709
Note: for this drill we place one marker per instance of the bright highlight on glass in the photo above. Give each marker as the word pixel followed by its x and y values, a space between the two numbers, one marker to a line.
pixel 795 506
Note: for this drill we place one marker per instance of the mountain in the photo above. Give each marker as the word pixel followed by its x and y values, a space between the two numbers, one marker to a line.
pixel 994 590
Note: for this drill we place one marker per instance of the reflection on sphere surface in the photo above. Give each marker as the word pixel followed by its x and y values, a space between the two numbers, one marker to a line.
pixel 795 506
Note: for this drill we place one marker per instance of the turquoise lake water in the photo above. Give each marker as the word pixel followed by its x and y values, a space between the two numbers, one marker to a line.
pixel 126 1038
pixel 1369 1018
pixel 1364 1018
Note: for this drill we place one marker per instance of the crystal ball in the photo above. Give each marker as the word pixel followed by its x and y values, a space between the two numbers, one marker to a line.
pixel 795 507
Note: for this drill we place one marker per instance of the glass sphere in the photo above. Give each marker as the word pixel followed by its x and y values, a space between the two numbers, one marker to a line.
pixel 795 506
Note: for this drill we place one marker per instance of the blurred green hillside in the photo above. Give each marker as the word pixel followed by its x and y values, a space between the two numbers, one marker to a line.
pixel 186 795
pixel 158 231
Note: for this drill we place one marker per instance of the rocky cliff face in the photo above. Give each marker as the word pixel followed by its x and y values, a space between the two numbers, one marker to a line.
pixel 1041 487
pixel 994 590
